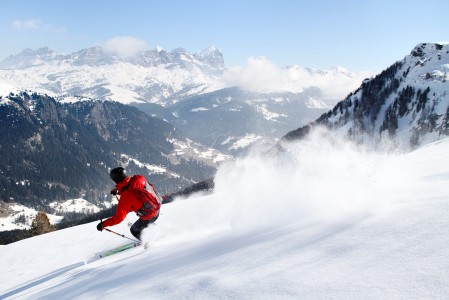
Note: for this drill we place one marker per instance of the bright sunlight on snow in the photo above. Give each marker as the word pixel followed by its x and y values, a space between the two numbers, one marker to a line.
pixel 323 220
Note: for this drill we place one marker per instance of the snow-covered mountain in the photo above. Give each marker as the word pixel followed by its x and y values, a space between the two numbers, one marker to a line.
pixel 329 222
pixel 401 108
pixel 159 76
pixel 153 76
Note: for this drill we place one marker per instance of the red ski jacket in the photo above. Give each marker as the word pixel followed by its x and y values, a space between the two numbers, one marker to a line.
pixel 128 200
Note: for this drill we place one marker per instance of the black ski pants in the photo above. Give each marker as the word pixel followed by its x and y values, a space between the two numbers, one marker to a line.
pixel 139 225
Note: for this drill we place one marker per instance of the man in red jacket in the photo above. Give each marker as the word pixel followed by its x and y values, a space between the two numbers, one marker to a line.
pixel 135 195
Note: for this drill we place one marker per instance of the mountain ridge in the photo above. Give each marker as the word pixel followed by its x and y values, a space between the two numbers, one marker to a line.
pixel 98 55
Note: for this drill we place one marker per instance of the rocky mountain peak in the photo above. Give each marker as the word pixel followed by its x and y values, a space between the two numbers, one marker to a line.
pixel 427 49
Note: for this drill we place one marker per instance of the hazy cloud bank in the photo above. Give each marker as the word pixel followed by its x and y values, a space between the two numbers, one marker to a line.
pixel 124 45
pixel 36 24
pixel 259 74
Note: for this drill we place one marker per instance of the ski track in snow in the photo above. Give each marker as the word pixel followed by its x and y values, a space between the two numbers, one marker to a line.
pixel 325 220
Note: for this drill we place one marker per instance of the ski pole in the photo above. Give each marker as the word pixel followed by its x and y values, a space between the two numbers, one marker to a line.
pixel 122 235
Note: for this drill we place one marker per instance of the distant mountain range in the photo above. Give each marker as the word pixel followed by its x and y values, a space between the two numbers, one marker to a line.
pixel 150 76
pixel 180 87
pixel 154 76
pixel 403 107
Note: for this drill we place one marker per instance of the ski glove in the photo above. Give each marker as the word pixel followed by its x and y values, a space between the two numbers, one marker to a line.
pixel 100 226
pixel 114 192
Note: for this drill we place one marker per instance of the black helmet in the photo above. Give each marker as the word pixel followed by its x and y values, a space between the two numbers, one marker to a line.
pixel 117 174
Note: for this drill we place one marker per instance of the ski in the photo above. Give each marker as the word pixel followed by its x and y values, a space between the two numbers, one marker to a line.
pixel 119 249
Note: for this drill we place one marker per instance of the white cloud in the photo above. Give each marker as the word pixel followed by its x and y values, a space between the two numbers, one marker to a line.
pixel 259 74
pixel 36 24
pixel 124 45
pixel 27 24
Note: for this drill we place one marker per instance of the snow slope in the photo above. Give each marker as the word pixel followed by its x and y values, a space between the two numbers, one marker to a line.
pixel 326 220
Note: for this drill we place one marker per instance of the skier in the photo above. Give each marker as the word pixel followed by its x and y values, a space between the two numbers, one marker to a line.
pixel 135 195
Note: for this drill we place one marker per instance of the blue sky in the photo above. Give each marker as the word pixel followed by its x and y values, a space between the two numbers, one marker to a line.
pixel 358 35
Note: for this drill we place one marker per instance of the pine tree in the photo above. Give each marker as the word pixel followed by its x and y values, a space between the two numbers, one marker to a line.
pixel 41 224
